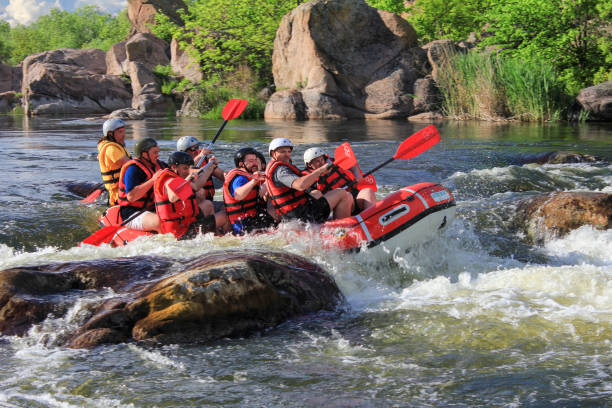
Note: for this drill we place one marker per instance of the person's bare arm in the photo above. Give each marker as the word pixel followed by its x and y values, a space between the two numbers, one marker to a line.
pixel 308 180
pixel 140 190
pixel 241 192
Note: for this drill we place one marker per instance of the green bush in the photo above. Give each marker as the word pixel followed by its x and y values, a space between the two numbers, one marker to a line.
pixel 572 35
pixel 87 27
pixel 210 101
pixel 224 36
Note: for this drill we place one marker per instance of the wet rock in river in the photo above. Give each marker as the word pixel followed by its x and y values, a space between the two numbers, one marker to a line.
pixel 560 157
pixel 218 295
pixel 556 214
pixel 28 294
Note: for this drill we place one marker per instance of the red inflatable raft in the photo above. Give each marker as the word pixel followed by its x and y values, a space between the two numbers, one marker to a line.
pixel 407 217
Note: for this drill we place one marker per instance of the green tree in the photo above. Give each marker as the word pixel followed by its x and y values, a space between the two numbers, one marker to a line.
pixel 572 34
pixel 86 27
pixel 394 6
pixel 437 19
pixel 227 36
pixel 5 48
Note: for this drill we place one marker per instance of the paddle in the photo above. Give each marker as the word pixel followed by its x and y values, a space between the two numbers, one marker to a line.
pixel 98 189
pixel 177 184
pixel 345 152
pixel 344 157
pixel 105 234
pixel 413 146
pixel 233 108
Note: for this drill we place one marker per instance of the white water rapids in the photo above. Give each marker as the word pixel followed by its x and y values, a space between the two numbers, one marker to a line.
pixel 476 317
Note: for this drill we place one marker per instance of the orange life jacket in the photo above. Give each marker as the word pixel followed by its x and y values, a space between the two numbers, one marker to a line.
pixel 284 199
pixel 209 186
pixel 250 206
pixel 335 178
pixel 175 217
pixel 146 201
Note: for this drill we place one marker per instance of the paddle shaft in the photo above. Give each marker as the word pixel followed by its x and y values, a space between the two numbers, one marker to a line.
pixel 189 179
pixel 212 142
pixel 378 167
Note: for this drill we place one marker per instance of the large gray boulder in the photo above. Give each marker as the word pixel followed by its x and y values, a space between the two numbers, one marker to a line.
pixel 597 101
pixel 10 78
pixel 8 101
pixel 141 13
pixel 137 58
pixel 70 81
pixel 116 58
pixel 182 64
pixel 218 295
pixel 338 59
pixel 147 49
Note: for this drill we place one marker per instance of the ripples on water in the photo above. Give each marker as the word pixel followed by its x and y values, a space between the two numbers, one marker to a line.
pixel 477 317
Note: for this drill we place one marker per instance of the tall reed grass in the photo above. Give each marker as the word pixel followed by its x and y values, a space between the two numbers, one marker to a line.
pixel 493 87
pixel 210 102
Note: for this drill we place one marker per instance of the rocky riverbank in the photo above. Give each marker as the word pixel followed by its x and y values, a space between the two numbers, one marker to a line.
pixel 333 59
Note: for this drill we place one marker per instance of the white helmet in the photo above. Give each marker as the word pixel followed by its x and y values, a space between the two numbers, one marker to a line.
pixel 110 125
pixel 186 142
pixel 279 142
pixel 313 153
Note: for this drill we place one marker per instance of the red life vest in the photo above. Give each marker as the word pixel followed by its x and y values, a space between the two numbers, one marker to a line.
pixel 284 199
pixel 175 217
pixel 146 201
pixel 250 206
pixel 335 178
pixel 208 187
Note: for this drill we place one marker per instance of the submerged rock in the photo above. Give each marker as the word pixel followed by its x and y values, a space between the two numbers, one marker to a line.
pixel 560 157
pixel 219 295
pixel 556 214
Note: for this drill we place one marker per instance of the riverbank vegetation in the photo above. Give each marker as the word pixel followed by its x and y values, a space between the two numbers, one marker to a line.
pixel 87 27
pixel 233 43
pixel 530 56
pixel 489 86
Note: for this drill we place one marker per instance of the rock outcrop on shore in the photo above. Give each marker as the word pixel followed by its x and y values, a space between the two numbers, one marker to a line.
pixel 332 59
pixel 339 59
pixel 596 101
pixel 218 295
pixel 71 81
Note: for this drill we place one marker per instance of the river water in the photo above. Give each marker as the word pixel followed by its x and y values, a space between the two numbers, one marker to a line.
pixel 476 317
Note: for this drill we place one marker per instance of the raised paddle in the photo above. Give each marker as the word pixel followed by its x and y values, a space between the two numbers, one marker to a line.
pixel 233 108
pixel 344 157
pixel 345 152
pixel 105 234
pixel 98 189
pixel 413 146
pixel 177 184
